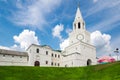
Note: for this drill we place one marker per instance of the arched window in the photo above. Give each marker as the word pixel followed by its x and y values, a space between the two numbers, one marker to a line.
pixel 74 26
pixel 46 62
pixel 46 52
pixel 36 63
pixel 37 50
pixel 79 25
pixel 83 25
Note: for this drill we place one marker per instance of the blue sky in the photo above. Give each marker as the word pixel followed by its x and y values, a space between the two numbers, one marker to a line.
pixel 42 22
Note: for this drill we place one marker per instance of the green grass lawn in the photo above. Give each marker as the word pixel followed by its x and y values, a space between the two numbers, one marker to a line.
pixel 99 72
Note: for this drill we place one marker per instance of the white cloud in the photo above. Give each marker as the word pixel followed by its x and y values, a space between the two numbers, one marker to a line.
pixel 105 5
pixel 33 13
pixel 56 32
pixel 64 44
pixel 102 43
pixel 110 15
pixel 17 48
pixel 95 1
pixel 25 39
pixel 3 47
pixel 106 24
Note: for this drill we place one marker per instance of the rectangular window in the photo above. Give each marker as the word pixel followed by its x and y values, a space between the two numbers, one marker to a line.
pixel 46 52
pixel 30 50
pixel 46 62
pixel 52 55
pixel 3 55
pixel 55 55
pixel 55 64
pixel 52 63
pixel 58 56
pixel 27 58
pixel 58 64
pixel 20 56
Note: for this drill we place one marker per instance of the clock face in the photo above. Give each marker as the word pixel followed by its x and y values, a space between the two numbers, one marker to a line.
pixel 80 37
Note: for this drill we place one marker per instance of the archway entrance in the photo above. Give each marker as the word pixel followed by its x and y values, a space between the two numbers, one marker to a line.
pixel 37 63
pixel 89 62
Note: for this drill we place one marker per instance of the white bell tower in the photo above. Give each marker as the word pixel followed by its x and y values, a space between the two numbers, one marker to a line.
pixel 79 32
pixel 79 52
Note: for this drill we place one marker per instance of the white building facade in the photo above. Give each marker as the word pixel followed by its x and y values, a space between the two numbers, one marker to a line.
pixel 80 52
pixel 43 56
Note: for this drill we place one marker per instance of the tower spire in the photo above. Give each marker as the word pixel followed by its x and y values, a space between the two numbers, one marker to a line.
pixel 78 13
pixel 78 23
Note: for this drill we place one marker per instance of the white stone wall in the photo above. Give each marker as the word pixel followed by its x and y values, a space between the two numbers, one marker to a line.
pixel 12 60
pixel 56 60
pixel 68 61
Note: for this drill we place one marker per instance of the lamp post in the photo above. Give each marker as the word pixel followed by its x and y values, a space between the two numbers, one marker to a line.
pixel 117 53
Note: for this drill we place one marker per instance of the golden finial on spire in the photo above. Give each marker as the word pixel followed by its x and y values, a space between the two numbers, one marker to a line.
pixel 78 3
